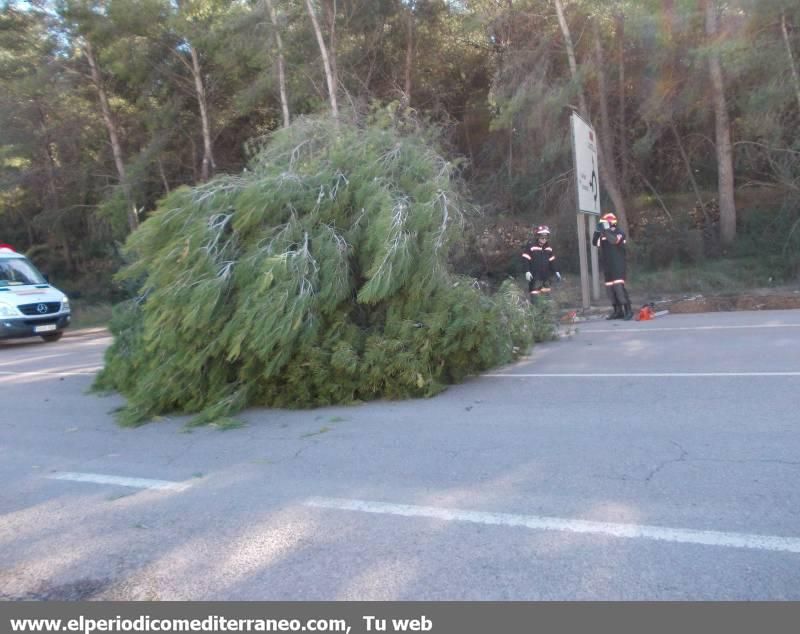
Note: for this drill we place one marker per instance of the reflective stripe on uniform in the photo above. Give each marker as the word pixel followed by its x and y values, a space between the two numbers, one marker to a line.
pixel 552 257
pixel 526 256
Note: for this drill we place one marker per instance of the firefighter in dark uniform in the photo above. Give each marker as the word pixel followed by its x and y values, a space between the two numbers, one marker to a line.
pixel 540 263
pixel 610 239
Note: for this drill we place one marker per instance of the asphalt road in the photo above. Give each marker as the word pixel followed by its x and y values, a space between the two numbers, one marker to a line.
pixel 653 460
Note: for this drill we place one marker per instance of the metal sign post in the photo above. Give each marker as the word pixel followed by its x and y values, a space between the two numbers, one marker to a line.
pixel 595 263
pixel 583 262
pixel 587 184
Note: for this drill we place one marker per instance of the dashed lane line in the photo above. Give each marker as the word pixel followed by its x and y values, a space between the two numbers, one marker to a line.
pixel 136 483
pixel 630 531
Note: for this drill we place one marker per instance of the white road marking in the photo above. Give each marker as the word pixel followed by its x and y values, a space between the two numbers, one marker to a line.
pixel 673 328
pixel 69 372
pixel 90 342
pixel 136 483
pixel 632 531
pixel 602 375
pixel 31 359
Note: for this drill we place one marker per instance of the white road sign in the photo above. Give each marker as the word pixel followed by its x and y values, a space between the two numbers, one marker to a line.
pixel 587 173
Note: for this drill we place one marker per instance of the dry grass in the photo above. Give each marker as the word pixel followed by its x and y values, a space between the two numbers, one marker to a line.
pixel 87 314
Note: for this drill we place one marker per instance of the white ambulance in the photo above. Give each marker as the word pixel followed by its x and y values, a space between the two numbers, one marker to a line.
pixel 29 306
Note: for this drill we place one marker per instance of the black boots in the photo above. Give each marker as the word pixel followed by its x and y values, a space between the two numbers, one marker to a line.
pixel 616 305
pixel 621 312
pixel 620 301
pixel 628 314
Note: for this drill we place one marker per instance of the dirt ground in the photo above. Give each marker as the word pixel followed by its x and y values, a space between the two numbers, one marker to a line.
pixel 753 299
pixel 757 299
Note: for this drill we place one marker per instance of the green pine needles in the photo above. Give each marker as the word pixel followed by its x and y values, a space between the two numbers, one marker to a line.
pixel 318 276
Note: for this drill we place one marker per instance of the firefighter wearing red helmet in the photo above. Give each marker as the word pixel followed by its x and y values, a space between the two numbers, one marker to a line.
pixel 540 263
pixel 610 239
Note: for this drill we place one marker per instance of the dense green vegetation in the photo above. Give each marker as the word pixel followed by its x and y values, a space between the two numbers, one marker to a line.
pixel 320 275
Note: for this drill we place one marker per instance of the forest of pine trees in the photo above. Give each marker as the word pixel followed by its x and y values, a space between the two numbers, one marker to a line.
pixel 107 106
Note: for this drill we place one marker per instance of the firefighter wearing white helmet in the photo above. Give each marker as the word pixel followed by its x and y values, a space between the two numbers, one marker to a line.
pixel 540 263
pixel 610 239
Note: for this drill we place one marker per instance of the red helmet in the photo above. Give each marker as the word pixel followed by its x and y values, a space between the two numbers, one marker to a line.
pixel 609 218
pixel 542 230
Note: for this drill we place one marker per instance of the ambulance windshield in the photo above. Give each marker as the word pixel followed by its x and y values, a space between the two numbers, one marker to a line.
pixel 18 272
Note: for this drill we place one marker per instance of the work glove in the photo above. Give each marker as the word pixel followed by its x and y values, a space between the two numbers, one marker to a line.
pixel 558 276
pixel 529 276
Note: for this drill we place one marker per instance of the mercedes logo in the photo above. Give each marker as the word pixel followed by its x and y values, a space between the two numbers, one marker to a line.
pixel 41 308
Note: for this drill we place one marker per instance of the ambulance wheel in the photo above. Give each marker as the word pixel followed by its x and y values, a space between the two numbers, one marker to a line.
pixel 52 336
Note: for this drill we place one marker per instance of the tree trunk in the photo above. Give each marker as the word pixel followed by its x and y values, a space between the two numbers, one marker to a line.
pixel 503 35
pixel 727 206
pixel 28 227
pixel 605 156
pixel 111 127
pixel 374 47
pixel 622 133
pixel 508 38
pixel 468 138
pixel 792 63
pixel 573 63
pixel 68 259
pixel 607 134
pixel 330 78
pixel 330 15
pixel 510 156
pixel 49 158
pixel 208 166
pixel 510 30
pixel 281 64
pixel 163 176
pixel 692 179
pixel 193 145
pixel 52 199
pixel 409 54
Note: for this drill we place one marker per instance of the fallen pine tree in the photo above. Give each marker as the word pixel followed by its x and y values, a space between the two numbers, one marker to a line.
pixel 319 275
